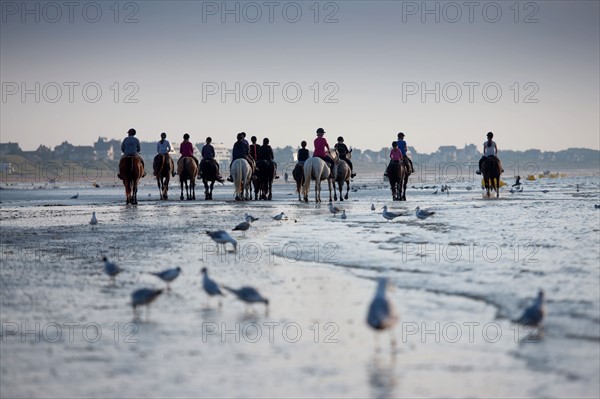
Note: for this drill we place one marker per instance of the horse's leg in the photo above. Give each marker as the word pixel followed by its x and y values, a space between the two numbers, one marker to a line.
pixel 347 188
pixel 212 184
pixel 330 183
pixel 193 184
pixel 181 183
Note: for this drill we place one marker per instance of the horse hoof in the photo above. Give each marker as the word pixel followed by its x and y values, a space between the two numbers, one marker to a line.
pixel 181 198
pixel 346 196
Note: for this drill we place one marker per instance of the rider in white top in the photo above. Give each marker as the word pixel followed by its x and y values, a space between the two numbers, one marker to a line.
pixel 163 146
pixel 489 150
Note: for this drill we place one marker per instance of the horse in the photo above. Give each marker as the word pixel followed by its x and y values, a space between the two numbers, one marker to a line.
pixel 341 175
pixel 398 176
pixel 241 172
pixel 163 166
pixel 491 169
pixel 209 173
pixel 265 174
pixel 316 169
pixel 131 170
pixel 187 170
pixel 298 174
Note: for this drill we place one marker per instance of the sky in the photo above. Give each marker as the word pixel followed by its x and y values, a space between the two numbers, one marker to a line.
pixel 444 73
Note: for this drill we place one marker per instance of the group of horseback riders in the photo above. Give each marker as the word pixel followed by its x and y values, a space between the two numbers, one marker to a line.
pixel 255 152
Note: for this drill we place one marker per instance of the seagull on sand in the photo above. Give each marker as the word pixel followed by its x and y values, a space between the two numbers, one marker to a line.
pixel 210 286
pixel 75 196
pixel 249 295
pixel 168 275
pixel 111 269
pixel 243 226
pixel 334 209
pixel 423 213
pixel 436 191
pixel 344 217
pixel 278 217
pixel 389 215
pixel 222 237
pixel 533 315
pixel 144 296
pixel 372 207
pixel 250 218
pixel 382 315
pixel 94 220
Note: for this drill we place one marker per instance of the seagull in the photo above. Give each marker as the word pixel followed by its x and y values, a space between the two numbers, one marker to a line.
pixel 278 217
pixel 469 188
pixel 222 237
pixel 94 221
pixel 111 269
pixel 545 191
pixel 249 295
pixel 75 196
pixel 512 190
pixel 435 192
pixel 344 214
pixel 422 213
pixel 389 215
pixel 334 209
pixel 372 207
pixel 250 218
pixel 533 315
pixel 144 296
pixel 168 275
pixel 243 226
pixel 382 315
pixel 577 187
pixel 210 286
pixel 596 206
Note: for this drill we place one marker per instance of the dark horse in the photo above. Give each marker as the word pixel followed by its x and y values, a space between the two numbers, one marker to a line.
pixel 396 172
pixel 491 169
pixel 163 167
pixel 187 170
pixel 298 174
pixel 131 170
pixel 208 171
pixel 265 173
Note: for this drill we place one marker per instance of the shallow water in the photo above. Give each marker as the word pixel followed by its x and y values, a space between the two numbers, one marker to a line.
pixel 460 277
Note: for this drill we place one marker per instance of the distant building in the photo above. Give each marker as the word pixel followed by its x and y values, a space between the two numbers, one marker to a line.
pixel 9 148
pixel 84 153
pixel 6 167
pixel 105 149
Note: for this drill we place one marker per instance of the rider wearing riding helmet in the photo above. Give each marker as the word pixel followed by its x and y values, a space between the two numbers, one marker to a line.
pixel 208 154
pixel 343 153
pixel 489 150
pixel 163 146
pixel 131 147
pixel 303 153
pixel 321 144
pixel 403 147
pixel 186 148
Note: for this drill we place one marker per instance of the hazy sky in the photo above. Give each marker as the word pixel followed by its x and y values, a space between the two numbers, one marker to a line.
pixel 528 71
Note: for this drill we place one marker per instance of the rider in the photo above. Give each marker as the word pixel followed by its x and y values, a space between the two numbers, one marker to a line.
pixel 303 153
pixel 321 144
pixel 163 146
pixel 208 153
pixel 240 150
pixel 395 155
pixel 265 152
pixel 131 147
pixel 489 150
pixel 343 153
pixel 254 148
pixel 186 148
pixel 403 148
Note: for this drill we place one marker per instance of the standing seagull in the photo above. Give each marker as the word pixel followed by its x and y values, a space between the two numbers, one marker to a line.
pixel 144 296
pixel 278 217
pixel 210 286
pixel 372 207
pixel 334 209
pixel 249 295
pixel 222 237
pixel 94 221
pixel 344 215
pixel 422 213
pixel 168 275
pixel 243 226
pixel 389 215
pixel 533 315
pixel 111 269
pixel 75 196
pixel 382 315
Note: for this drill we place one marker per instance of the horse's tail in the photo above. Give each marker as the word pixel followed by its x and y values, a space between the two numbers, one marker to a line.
pixel 238 177
pixel 162 165
pixel 307 176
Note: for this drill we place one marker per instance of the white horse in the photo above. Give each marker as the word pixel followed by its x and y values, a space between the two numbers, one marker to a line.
pixel 316 169
pixel 241 174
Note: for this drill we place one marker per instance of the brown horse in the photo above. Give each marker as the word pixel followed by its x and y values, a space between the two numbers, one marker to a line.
pixel 131 170
pixel 187 170
pixel 341 175
pixel 265 174
pixel 209 173
pixel 298 174
pixel 491 169
pixel 163 167
pixel 396 173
